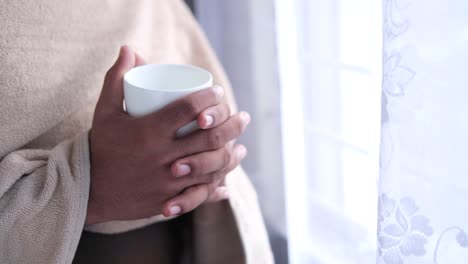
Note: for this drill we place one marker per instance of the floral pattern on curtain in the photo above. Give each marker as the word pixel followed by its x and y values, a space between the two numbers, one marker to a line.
pixel 423 199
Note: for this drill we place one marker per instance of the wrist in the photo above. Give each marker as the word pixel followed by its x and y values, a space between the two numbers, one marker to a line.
pixel 95 212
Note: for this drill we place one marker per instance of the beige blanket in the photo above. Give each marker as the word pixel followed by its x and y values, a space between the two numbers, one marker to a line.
pixel 53 57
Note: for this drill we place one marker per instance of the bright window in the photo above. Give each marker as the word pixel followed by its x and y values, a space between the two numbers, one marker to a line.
pixel 330 71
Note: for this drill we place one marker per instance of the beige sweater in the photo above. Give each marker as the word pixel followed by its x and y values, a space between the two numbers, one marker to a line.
pixel 53 56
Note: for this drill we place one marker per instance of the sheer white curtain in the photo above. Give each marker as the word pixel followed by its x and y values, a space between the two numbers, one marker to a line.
pixel 327 56
pixel 423 201
pixel 310 72
pixel 330 65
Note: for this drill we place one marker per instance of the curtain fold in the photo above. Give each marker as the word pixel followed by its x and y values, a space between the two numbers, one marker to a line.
pixel 424 147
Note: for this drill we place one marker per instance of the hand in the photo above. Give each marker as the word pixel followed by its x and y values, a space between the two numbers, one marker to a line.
pixel 132 171
pixel 216 163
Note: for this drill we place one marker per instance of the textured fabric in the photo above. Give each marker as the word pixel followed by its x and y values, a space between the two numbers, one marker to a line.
pixel 424 152
pixel 44 196
pixel 53 57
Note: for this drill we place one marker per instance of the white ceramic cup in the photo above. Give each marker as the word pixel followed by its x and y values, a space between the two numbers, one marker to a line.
pixel 150 87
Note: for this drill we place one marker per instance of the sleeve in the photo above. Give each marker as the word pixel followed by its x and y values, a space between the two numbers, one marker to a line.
pixel 43 202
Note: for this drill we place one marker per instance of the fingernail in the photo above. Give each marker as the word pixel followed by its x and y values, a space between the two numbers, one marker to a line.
pixel 209 120
pixel 245 117
pixel 241 152
pixel 218 90
pixel 182 170
pixel 175 210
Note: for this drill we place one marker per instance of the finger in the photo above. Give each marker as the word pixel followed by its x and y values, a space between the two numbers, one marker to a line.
pixel 220 193
pixel 214 116
pixel 216 177
pixel 184 110
pixel 188 200
pixel 139 60
pixel 240 152
pixel 211 139
pixel 195 195
pixel 182 183
pixel 112 91
pixel 203 163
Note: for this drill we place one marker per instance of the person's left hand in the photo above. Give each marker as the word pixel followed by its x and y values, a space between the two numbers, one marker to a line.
pixel 218 163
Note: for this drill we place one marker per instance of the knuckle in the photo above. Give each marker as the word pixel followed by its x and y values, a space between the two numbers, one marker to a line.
pixel 214 139
pixel 239 127
pixel 211 178
pixel 165 160
pixel 143 139
pixel 199 165
pixel 176 113
pixel 180 111
pixel 226 156
pixel 109 75
pixel 213 95
pixel 233 128
pixel 171 190
pixel 230 166
pixel 216 177
pixel 198 194
pixel 206 178
pixel 226 109
pixel 193 105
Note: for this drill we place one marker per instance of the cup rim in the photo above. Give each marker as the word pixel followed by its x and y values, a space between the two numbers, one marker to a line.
pixel 193 67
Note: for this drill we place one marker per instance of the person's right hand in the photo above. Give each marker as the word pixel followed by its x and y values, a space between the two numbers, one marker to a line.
pixel 131 158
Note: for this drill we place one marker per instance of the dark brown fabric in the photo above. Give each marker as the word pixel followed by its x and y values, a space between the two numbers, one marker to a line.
pixel 160 243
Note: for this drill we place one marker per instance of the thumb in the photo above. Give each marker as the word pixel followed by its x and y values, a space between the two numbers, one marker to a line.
pixel 112 90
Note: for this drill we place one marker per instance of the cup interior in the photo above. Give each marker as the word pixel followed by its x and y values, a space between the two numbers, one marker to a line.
pixel 168 77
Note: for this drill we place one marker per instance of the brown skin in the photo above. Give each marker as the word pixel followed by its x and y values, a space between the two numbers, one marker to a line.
pixel 135 162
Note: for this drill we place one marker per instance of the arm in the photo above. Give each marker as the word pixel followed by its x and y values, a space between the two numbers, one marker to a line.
pixel 43 200
pixel 125 167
